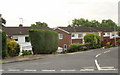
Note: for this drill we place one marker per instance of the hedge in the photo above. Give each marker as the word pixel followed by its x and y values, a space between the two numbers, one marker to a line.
pixel 43 41
pixel 3 50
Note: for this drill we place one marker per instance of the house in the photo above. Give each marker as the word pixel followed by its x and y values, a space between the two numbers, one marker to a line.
pixel 21 35
pixel 69 35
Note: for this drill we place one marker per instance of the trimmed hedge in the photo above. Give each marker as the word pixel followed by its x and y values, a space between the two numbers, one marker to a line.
pixel 43 41
pixel 3 41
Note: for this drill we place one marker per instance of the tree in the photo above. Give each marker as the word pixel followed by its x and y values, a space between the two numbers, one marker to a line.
pixel 2 20
pixel 93 23
pixel 108 23
pixel 93 39
pixel 85 23
pixel 39 24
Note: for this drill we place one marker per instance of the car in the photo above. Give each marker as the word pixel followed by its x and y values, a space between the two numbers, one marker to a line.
pixel 60 50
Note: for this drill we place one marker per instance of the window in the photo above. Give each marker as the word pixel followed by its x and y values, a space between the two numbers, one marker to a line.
pixel 27 39
pixel 117 34
pixel 108 34
pixel 15 38
pixel 80 35
pixel 60 36
pixel 113 34
pixel 103 33
pixel 73 35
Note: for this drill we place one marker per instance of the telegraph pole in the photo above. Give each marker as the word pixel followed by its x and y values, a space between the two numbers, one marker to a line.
pixel 115 36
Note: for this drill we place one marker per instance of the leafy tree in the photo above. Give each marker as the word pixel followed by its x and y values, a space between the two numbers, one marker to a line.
pixel 93 39
pixel 2 20
pixel 108 23
pixel 39 24
pixel 93 23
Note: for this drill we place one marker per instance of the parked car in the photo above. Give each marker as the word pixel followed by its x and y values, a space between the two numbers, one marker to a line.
pixel 60 50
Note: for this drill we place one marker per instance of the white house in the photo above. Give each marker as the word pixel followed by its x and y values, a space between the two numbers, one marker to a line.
pixel 21 35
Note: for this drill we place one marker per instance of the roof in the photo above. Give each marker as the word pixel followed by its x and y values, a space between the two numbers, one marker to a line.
pixel 86 29
pixel 21 30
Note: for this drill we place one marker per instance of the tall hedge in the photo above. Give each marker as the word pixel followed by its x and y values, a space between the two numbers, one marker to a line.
pixel 43 41
pixel 3 47
pixel 93 39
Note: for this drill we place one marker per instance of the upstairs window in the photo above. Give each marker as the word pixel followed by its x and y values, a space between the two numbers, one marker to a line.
pixel 60 36
pixel 73 35
pixel 113 34
pixel 15 38
pixel 80 35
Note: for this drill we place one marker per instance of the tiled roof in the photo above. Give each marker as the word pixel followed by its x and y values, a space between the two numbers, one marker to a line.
pixel 21 30
pixel 86 29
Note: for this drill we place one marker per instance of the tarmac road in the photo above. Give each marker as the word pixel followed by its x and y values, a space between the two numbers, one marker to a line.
pixel 99 60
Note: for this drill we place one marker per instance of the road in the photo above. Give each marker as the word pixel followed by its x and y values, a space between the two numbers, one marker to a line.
pixel 99 60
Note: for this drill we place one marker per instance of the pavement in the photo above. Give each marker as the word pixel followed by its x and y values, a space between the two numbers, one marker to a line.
pixel 97 60
pixel 23 58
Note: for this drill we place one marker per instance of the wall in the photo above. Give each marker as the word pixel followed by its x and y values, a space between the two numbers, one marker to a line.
pixel 66 38
pixel 77 40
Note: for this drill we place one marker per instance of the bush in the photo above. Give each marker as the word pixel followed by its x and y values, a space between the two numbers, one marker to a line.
pixel 78 47
pixel 108 45
pixel 3 44
pixel 43 41
pixel 25 52
pixel 93 39
pixel 13 48
pixel 74 47
pixel 118 42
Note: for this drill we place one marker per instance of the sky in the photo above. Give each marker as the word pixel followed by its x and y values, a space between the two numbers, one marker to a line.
pixel 57 12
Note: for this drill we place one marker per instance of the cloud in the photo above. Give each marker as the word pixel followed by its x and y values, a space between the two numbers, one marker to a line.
pixel 57 12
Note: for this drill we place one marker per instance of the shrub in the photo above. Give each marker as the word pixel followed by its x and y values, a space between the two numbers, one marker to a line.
pixel 78 47
pixel 13 48
pixel 118 42
pixel 43 41
pixel 25 52
pixel 93 39
pixel 74 47
pixel 108 45
pixel 3 44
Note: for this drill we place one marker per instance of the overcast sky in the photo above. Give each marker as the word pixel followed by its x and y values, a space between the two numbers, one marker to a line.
pixel 57 12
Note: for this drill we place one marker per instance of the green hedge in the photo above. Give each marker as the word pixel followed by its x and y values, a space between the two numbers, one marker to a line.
pixel 4 44
pixel 43 41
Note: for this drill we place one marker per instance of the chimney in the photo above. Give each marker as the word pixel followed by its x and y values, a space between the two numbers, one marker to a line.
pixel 20 25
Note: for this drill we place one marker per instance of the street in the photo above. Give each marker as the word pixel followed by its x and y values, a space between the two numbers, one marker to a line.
pixel 99 60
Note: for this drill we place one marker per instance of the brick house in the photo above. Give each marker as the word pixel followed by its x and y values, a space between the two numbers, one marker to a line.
pixel 69 35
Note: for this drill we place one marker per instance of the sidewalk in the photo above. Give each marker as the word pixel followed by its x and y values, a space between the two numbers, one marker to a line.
pixel 23 58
